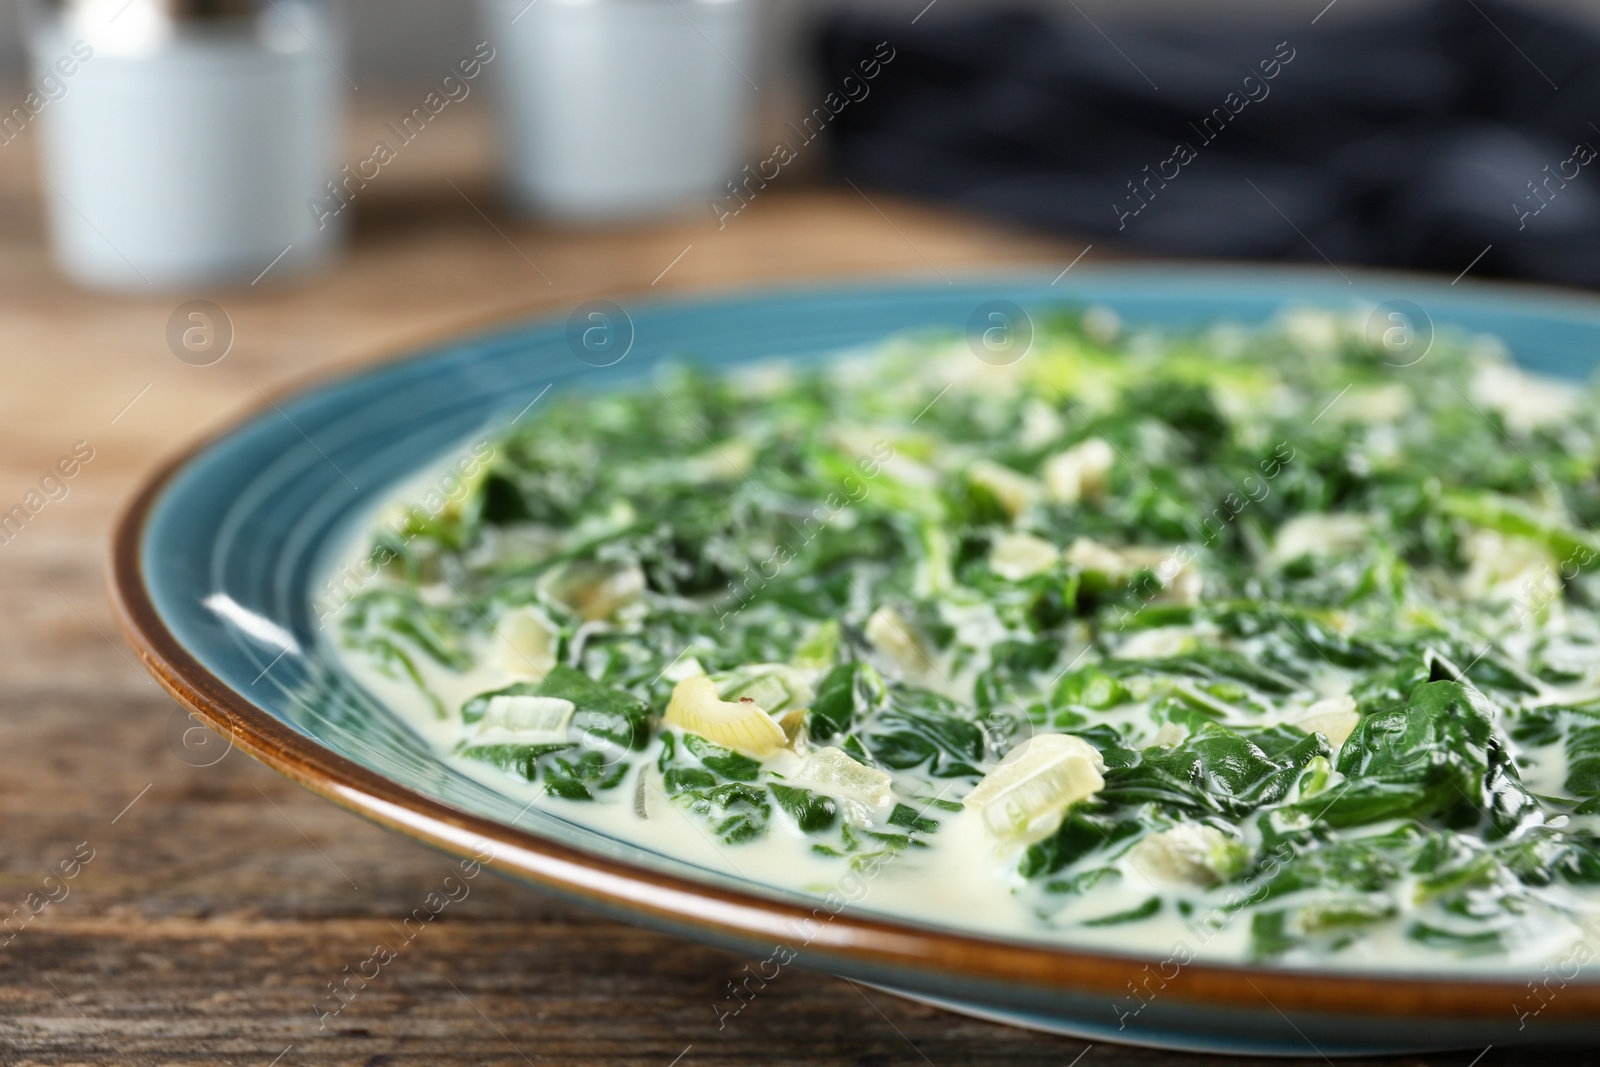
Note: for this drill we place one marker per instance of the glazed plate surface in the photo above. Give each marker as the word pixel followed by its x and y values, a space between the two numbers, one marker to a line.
pixel 217 561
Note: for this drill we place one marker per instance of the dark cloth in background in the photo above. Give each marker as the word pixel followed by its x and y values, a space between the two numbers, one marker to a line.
pixel 1407 139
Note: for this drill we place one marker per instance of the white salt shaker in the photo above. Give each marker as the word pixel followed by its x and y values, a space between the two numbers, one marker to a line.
pixel 620 109
pixel 183 141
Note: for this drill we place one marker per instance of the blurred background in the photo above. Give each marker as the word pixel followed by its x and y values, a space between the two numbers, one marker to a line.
pixel 398 45
pixel 1431 134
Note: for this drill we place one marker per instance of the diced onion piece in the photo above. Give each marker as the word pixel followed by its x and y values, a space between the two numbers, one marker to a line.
pixel 1180 579
pixel 1090 555
pixel 1184 587
pixel 1169 735
pixel 1512 570
pixel 1017 556
pixel 910 472
pixel 1181 582
pixel 1079 473
pixel 1027 795
pixel 725 462
pixel 521 542
pixel 1102 324
pixel 837 772
pixel 1158 642
pixel 1333 718
pixel 1313 329
pixel 774 686
pixel 527 643
pixel 598 590
pixel 1014 491
pixel 1189 852
pixel 892 636
pixel 896 443
pixel 1319 534
pixel 525 720
pixel 793 724
pixel 1526 401
pixel 687 667
pixel 1375 404
pixel 1041 424
pixel 738 724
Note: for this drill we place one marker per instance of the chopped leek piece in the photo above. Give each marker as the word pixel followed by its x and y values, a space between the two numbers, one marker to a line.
pixel 1028 793
pixel 1319 536
pixel 1090 555
pixel 1079 473
pixel 836 772
pixel 774 686
pixel 597 591
pixel 1014 492
pixel 1016 556
pixel 1170 734
pixel 892 636
pixel 525 720
pixel 1333 718
pixel 1158 642
pixel 1189 852
pixel 793 723
pixel 527 643
pixel 741 724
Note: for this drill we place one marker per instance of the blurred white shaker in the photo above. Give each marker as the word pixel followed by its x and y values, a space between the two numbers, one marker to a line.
pixel 185 143
pixel 620 109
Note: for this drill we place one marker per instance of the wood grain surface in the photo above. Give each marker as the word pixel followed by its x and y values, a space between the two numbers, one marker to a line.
pixel 218 902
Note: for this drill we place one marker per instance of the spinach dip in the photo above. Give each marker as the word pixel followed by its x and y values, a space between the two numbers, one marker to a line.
pixel 1252 640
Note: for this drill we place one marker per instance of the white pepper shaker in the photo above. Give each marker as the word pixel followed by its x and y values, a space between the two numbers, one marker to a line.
pixel 620 109
pixel 183 141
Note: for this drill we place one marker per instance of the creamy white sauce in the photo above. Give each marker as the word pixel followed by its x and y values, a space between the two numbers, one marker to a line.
pixel 962 880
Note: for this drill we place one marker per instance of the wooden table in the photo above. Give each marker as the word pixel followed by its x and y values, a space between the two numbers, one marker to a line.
pixel 220 901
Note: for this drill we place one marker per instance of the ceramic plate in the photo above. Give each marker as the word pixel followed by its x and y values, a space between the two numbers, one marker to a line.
pixel 215 563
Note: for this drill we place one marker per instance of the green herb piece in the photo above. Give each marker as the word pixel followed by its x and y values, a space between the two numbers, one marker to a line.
pixel 812 812
pixel 1143 911
pixel 849 694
